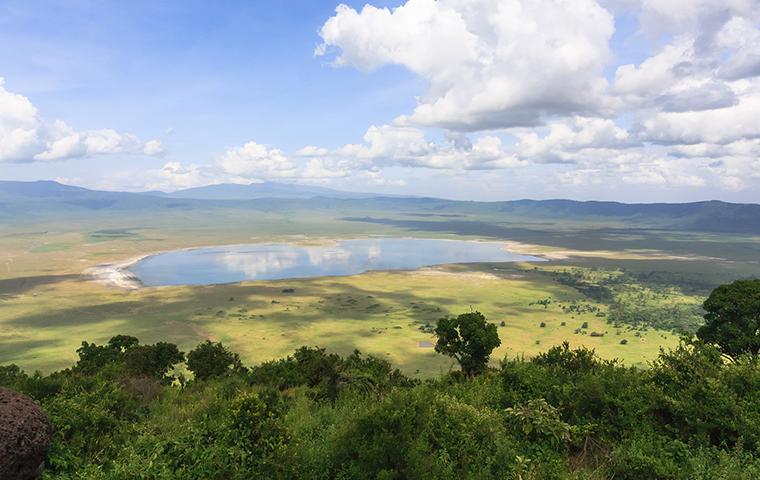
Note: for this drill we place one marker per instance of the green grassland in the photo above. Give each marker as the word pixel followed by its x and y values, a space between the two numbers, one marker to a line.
pixel 49 305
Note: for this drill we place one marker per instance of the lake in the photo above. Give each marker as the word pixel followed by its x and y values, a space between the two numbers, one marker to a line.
pixel 278 261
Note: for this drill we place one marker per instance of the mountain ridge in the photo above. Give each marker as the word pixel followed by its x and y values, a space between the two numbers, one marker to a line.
pixel 19 199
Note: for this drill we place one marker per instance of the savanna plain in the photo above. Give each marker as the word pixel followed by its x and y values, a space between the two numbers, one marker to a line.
pixel 621 289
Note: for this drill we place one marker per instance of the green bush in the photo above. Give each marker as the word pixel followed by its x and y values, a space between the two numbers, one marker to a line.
pixel 566 414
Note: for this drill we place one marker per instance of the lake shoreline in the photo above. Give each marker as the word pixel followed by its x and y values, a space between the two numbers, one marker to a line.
pixel 119 275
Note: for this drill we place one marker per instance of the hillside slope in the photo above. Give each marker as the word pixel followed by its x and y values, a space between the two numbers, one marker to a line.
pixel 25 200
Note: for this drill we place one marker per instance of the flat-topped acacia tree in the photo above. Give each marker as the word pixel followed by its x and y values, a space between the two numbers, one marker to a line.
pixel 469 339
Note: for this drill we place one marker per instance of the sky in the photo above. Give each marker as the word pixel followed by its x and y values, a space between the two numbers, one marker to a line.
pixel 636 101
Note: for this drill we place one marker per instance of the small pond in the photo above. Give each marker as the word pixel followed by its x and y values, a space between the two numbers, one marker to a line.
pixel 277 261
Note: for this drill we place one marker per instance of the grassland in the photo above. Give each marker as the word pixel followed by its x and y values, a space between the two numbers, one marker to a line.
pixel 49 305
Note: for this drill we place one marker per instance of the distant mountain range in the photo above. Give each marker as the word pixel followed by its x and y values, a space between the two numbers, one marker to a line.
pixel 230 191
pixel 21 200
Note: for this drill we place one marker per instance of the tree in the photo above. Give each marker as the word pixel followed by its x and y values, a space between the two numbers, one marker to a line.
pixel 469 339
pixel 211 359
pixel 137 360
pixel 732 320
pixel 93 357
pixel 153 360
pixel 122 343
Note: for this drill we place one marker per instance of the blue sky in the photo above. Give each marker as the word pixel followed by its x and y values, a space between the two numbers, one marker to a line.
pixel 627 100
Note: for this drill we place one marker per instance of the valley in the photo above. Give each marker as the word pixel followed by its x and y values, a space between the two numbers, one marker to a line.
pixel 50 301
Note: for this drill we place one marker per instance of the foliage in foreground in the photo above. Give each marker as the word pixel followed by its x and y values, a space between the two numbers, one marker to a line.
pixel 733 318
pixel 566 414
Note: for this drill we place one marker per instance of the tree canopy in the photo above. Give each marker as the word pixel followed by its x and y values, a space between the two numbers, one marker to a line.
pixel 732 320
pixel 211 359
pixel 153 361
pixel 469 339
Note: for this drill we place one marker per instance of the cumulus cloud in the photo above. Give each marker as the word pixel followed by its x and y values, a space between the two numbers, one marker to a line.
pixel 311 151
pixel 321 169
pixel 749 148
pixel 26 138
pixel 572 140
pixel 536 71
pixel 720 126
pixel 490 64
pixel 254 160
pixel 515 89
pixel 154 148
pixel 407 147
pixel 712 44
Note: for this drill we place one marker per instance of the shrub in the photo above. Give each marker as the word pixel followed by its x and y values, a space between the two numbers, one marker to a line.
pixel 210 359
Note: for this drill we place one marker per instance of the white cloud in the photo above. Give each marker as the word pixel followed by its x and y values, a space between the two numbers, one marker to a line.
pixel 720 126
pixel 172 176
pixel 407 147
pixel 311 152
pixel 517 97
pixel 175 176
pixel 254 160
pixel 19 127
pixel 26 138
pixel 512 65
pixel 320 169
pixel 63 142
pixel 154 148
pixel 749 148
pixel 490 64
pixel 712 44
pixel 659 17
pixel 571 140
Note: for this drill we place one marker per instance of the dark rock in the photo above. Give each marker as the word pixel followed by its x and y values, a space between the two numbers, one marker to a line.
pixel 24 436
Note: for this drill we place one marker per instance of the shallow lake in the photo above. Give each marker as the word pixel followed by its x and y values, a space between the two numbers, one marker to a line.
pixel 277 261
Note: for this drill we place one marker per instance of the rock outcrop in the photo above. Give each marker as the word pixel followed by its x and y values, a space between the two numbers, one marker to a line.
pixel 24 436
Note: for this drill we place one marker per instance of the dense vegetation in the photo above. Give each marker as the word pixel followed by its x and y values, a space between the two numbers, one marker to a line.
pixel 563 414
pixel 638 300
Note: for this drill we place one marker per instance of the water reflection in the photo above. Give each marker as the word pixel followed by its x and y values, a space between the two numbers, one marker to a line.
pixel 280 261
pixel 253 265
pixel 327 255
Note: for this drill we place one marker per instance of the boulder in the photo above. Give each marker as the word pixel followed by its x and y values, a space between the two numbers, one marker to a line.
pixel 24 436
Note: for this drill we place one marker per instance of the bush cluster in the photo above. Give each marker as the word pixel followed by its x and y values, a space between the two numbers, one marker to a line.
pixel 565 414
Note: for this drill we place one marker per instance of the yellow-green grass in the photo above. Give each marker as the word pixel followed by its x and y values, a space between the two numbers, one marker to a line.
pixel 378 313
pixel 47 307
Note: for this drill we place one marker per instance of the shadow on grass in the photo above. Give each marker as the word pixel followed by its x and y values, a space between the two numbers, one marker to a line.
pixel 27 345
pixel 201 308
pixel 556 236
pixel 24 284
pixel 735 247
